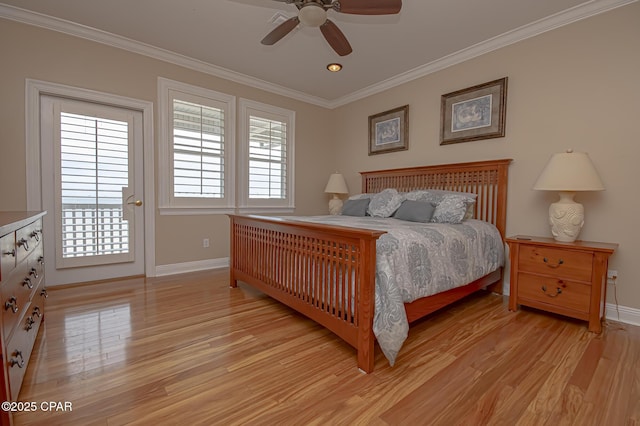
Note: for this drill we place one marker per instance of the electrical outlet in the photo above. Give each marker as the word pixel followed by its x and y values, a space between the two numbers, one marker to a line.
pixel 612 276
pixel 205 242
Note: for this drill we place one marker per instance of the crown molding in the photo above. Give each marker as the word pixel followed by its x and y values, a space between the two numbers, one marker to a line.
pixel 577 13
pixel 113 40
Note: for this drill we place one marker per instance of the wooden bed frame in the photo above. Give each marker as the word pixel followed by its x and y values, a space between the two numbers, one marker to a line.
pixel 328 272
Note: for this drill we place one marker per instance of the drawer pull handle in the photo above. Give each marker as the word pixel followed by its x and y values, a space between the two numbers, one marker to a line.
pixel 44 293
pixel 16 361
pixel 33 273
pixel 41 260
pixel 12 304
pixel 10 253
pixel 30 322
pixel 558 291
pixel 35 235
pixel 27 282
pixel 36 312
pixel 560 262
pixel 24 243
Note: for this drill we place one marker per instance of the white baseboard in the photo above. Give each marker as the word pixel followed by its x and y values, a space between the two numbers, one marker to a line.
pixel 627 315
pixel 198 265
pixel 622 314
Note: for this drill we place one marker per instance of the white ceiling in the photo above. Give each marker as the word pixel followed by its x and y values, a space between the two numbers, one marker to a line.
pixel 222 37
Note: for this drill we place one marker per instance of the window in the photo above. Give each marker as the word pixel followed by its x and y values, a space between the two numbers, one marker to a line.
pixel 197 171
pixel 266 153
pixel 196 152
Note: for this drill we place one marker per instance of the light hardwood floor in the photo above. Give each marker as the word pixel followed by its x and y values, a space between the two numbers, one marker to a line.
pixel 189 350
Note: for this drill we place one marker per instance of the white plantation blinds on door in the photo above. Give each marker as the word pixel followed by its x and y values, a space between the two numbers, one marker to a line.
pixel 267 158
pixel 198 150
pixel 92 176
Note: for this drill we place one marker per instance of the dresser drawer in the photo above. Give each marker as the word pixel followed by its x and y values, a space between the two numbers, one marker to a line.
pixel 7 254
pixel 35 266
pixel 36 310
pixel 567 264
pixel 18 350
pixel 554 292
pixel 15 295
pixel 28 239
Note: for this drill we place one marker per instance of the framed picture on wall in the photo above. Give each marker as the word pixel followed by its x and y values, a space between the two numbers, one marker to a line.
pixel 475 113
pixel 389 131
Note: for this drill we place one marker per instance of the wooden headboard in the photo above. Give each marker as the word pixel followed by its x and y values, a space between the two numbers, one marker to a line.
pixel 488 179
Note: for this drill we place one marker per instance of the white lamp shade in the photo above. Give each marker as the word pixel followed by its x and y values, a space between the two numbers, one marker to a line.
pixel 569 171
pixel 336 185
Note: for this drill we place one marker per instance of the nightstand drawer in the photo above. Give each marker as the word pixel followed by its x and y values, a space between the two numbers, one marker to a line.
pixel 566 264
pixel 552 291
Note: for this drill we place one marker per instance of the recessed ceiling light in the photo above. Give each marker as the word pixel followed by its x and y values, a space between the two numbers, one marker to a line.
pixel 334 67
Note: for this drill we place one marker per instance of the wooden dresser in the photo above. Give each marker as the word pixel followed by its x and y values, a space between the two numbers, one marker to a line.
pixel 23 292
pixel 565 278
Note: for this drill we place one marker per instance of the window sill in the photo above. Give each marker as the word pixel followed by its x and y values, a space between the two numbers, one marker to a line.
pixel 188 211
pixel 268 210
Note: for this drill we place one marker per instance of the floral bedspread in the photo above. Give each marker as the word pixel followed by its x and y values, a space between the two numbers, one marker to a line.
pixel 415 260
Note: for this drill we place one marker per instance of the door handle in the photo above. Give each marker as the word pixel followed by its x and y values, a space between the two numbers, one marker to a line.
pixel 129 200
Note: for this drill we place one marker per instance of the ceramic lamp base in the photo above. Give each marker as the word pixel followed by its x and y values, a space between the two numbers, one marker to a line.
pixel 566 218
pixel 335 205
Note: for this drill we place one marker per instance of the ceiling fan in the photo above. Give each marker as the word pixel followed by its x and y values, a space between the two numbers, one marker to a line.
pixel 313 13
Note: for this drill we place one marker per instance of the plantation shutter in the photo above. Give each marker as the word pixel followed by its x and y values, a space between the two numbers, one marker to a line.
pixel 267 158
pixel 93 171
pixel 198 150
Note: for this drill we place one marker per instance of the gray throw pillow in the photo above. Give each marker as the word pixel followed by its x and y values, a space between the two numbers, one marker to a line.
pixel 415 211
pixel 356 207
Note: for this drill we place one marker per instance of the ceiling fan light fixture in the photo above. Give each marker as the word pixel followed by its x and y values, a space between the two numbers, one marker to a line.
pixel 334 67
pixel 312 15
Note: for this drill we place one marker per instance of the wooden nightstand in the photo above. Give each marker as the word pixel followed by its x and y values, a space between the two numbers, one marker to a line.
pixel 565 278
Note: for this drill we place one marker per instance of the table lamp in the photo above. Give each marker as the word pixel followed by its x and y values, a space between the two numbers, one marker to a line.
pixel 567 173
pixel 336 186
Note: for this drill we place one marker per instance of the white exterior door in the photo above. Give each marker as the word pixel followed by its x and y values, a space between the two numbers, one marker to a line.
pixel 92 187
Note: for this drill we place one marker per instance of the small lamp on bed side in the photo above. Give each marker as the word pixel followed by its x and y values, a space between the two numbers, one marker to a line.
pixel 336 186
pixel 567 173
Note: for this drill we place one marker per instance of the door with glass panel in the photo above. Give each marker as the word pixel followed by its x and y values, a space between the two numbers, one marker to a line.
pixel 92 190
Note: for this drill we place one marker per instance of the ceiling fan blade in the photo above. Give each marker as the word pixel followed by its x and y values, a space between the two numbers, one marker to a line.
pixel 335 38
pixel 370 7
pixel 280 31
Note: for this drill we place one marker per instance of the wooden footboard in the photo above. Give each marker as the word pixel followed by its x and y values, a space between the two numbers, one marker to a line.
pixel 328 272
pixel 324 272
